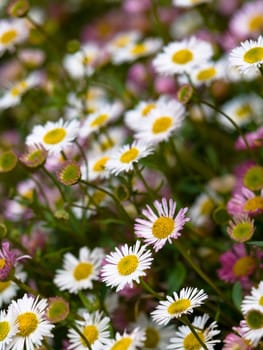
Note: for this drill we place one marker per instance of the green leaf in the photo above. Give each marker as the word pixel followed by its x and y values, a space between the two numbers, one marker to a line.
pixel 257 243
pixel 237 294
pixel 176 277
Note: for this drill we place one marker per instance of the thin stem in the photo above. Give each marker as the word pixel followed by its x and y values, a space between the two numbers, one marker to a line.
pixel 82 336
pixel 139 173
pixel 149 289
pixel 185 320
pixel 24 287
pixel 54 182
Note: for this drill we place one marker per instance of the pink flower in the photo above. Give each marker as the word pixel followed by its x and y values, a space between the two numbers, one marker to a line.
pixel 245 202
pixel 238 265
pixel 235 341
pixel 254 140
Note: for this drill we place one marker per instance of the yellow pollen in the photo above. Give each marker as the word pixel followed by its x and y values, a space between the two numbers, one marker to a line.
pixel 243 111
pixel 191 343
pixel 206 74
pixel 162 124
pixel 138 49
pixel 152 338
pixel 182 56
pixel 82 270
pixel 254 203
pixel 127 265
pixel 2 263
pixel 261 301
pixel 163 227
pixel 27 323
pixel 244 266
pixel 122 41
pixel 122 344
pixel 86 60
pixel 256 23
pixel 4 285
pixel 206 206
pixel 54 136
pixel 19 88
pixel 100 120
pixel 4 330
pixel 91 333
pixel 147 109
pixel 100 164
pixel 129 155
pixel 179 306
pixel 8 37
pixel 253 55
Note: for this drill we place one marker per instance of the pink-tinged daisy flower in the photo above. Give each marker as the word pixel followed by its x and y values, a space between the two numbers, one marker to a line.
pixel 178 305
pixel 234 341
pixel 161 224
pixel 184 339
pixel 238 265
pixel 254 140
pixel 126 265
pixel 126 341
pixel 8 260
pixel 245 202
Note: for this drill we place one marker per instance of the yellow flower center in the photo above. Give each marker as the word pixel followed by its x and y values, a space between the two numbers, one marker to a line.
pixel 91 334
pixel 2 263
pixel 54 136
pixel 242 231
pixel 122 41
pixel 19 88
pixel 138 49
pixel 86 60
pixel 163 227
pixel 147 109
pixel 182 56
pixel 100 164
pixel 129 155
pixel 8 37
pixel 122 344
pixel 256 23
pixel 82 270
pixel 162 124
pixel 178 306
pixel 206 206
pixel 98 197
pixel 254 203
pixel 127 265
pixel 261 301
pixel 206 74
pixel 253 55
pixel 4 285
pixel 243 111
pixel 4 330
pixel 191 343
pixel 152 338
pixel 27 323
pixel 244 266
pixel 100 120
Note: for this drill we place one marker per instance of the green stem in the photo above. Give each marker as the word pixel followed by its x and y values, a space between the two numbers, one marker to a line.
pixel 54 182
pixel 82 336
pixel 149 289
pixel 185 320
pixel 24 287
pixel 139 173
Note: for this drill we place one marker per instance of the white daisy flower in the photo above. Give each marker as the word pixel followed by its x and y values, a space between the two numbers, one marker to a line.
pixel 113 138
pixel 126 265
pixel 9 289
pixel 254 301
pixel 189 3
pixel 161 122
pixel 248 56
pixel 8 329
pixel 82 63
pixel 161 224
pixel 54 136
pixel 135 116
pixel 12 96
pixel 201 210
pixel 79 273
pixel 252 326
pixel 127 155
pixel 178 305
pixel 184 339
pixel 126 341
pixel 33 327
pixel 12 32
pixel 121 40
pixel 96 167
pixel 94 327
pixel 182 56
pixel 207 73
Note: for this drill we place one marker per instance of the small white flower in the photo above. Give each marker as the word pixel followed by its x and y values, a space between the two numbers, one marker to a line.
pixel 126 341
pixel 126 265
pixel 12 32
pixel 79 273
pixel 253 301
pixel 178 305
pixel 8 329
pixel 189 3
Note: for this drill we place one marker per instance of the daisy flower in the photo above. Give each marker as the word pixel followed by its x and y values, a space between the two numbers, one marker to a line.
pixel 254 140
pixel 236 340
pixel 121 40
pixel 252 327
pixel 161 224
pixel 241 228
pixel 94 326
pixel 137 115
pixel 33 327
pixel 182 56
pixel 162 122
pixel 126 341
pixel 125 158
pixel 245 202
pixel 126 265
pixel 253 301
pixel 96 167
pixel 248 56
pixel 189 3
pixel 207 73
pixel 178 305
pixel 79 273
pixel 9 289
pixel 54 136
pixel 185 340
pixel 12 32
pixel 8 329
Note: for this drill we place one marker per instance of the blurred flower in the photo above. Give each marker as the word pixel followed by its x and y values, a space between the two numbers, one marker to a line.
pixel 254 300
pixel 236 341
pixel 245 201
pixel 254 139
pixel 8 329
pixel 12 32
pixel 188 3
pixel 127 341
pixel 241 228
